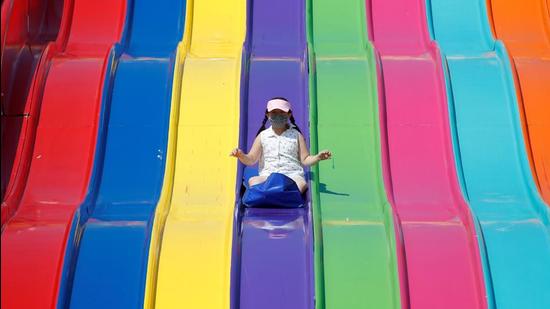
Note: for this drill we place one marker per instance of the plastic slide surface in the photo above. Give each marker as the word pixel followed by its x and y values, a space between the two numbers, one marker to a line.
pixel 355 250
pixel 275 264
pixel 113 249
pixel 524 26
pixel 27 28
pixel 194 266
pixel 34 240
pixel 492 154
pixel 438 232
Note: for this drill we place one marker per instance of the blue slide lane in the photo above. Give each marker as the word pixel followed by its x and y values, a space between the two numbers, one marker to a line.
pixel 108 256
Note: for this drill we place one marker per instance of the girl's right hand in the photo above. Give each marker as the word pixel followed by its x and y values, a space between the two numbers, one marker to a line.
pixel 236 152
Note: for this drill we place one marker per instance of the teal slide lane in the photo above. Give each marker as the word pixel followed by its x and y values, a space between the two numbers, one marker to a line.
pixel 491 154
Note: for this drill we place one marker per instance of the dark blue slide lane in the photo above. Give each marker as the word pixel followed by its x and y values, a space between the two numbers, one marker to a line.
pixel 109 266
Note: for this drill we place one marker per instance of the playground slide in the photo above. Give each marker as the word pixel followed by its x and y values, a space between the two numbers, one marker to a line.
pixel 438 231
pixel 27 28
pixel 113 249
pixel 492 154
pixel 275 266
pixel 34 240
pixel 524 26
pixel 195 242
pixel 355 250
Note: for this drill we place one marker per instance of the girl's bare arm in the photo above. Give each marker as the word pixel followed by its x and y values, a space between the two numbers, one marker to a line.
pixel 253 156
pixel 306 158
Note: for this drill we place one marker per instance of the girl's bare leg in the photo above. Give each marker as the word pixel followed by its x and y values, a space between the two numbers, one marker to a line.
pixel 256 180
pixel 302 185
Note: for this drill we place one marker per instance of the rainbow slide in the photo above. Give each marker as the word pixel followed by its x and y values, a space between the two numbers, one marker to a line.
pixel 118 117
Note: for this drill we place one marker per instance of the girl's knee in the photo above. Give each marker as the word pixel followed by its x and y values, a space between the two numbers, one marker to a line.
pixel 256 180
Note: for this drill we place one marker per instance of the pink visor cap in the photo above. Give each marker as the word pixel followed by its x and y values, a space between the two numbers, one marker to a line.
pixel 278 104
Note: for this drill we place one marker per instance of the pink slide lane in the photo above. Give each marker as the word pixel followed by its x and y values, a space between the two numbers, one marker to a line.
pixel 443 264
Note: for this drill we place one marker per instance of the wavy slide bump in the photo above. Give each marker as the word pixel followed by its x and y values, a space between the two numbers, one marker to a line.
pixel 24 63
pixel 28 27
pixel 34 240
pixel 492 155
pixel 275 266
pixel 109 268
pixel 355 249
pixel 524 27
pixel 438 232
pixel 193 239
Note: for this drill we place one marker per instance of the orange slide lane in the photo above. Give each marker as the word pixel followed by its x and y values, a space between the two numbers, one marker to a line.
pixel 524 26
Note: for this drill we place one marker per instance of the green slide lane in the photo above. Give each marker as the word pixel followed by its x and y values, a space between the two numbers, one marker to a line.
pixel 355 250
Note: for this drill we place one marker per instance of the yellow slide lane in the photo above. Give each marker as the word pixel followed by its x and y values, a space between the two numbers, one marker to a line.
pixel 190 254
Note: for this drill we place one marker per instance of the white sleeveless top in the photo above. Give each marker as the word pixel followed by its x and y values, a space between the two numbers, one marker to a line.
pixel 280 153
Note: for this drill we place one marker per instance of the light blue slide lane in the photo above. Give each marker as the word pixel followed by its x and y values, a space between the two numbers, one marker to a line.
pixel 111 253
pixel 491 154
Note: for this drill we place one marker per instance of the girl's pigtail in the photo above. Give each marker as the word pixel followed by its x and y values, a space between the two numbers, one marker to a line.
pixel 294 123
pixel 263 125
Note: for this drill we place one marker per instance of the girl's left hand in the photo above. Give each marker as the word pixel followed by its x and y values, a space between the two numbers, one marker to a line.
pixel 324 155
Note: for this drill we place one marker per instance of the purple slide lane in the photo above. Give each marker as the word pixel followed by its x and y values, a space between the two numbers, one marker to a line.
pixel 273 261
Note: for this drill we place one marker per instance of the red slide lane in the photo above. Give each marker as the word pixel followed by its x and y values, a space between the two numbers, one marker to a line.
pixel 34 240
pixel 28 27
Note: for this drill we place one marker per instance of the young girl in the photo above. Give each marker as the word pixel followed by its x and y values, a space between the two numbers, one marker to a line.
pixel 280 148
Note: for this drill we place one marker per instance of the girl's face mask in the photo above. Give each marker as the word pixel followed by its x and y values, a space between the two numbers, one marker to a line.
pixel 278 121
